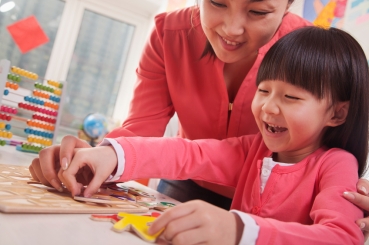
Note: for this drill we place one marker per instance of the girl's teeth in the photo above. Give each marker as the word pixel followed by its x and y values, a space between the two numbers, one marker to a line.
pixel 275 129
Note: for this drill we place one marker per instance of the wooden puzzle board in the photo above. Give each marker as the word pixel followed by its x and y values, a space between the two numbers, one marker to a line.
pixel 17 196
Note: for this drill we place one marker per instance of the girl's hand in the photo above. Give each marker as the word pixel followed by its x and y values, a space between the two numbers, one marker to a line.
pixel 198 222
pixel 45 168
pixel 91 166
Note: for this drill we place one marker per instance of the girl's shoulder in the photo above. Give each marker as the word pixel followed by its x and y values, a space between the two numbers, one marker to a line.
pixel 335 160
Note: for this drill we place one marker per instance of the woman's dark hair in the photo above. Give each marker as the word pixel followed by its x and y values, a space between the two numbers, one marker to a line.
pixel 329 63
pixel 208 49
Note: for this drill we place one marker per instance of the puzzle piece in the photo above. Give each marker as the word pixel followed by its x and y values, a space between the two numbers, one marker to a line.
pixel 112 218
pixel 115 218
pixel 139 224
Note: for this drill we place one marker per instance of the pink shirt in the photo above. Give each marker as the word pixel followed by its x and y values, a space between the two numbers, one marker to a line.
pixel 301 204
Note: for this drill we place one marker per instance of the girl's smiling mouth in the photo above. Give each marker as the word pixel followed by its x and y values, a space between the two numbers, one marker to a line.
pixel 274 128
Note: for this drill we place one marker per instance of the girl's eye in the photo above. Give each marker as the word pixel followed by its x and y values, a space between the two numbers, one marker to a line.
pixel 292 97
pixel 258 13
pixel 217 4
pixel 262 91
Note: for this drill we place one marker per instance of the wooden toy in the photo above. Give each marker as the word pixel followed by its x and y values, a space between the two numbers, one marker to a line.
pixel 138 224
pixel 111 218
pixel 31 115
pixel 104 199
pixel 19 193
pixel 162 206
pixel 130 193
pixel 114 218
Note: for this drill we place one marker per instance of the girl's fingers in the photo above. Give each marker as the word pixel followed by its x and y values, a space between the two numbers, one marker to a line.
pixel 181 225
pixel 68 145
pixel 170 215
pixel 94 185
pixel 68 176
pixel 189 237
pixel 98 162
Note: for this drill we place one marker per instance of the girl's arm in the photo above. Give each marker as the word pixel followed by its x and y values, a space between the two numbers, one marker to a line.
pixel 216 161
pixel 211 160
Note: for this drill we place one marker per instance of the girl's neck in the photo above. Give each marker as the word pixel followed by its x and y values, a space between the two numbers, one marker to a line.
pixel 292 158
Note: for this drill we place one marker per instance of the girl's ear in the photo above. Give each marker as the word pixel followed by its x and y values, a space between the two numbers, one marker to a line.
pixel 340 114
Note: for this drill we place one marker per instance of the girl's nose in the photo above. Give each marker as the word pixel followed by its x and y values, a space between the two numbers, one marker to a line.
pixel 270 106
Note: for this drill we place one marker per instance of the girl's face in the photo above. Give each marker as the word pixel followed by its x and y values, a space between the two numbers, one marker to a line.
pixel 236 29
pixel 291 119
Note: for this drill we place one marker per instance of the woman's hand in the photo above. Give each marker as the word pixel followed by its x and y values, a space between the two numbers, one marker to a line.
pixel 361 199
pixel 198 222
pixel 91 166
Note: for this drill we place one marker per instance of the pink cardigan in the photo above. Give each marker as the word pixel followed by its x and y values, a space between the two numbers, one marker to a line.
pixel 301 204
pixel 171 77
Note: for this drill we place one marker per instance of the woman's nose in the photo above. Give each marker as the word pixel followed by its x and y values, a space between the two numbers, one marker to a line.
pixel 234 25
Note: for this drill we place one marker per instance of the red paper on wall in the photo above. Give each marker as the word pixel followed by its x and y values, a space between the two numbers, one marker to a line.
pixel 27 34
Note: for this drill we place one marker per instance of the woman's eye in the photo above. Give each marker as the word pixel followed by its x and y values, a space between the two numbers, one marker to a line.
pixel 262 91
pixel 258 13
pixel 216 4
pixel 292 97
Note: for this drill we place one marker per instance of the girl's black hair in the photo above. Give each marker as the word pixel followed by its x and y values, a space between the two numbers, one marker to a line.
pixel 330 64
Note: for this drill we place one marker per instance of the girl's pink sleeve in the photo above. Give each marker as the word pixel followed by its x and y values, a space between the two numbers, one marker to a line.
pixel 151 107
pixel 211 160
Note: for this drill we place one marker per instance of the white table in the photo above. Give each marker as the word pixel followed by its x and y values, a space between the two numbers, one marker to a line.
pixel 63 229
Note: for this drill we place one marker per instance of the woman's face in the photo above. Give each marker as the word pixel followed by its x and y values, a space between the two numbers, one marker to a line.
pixel 236 29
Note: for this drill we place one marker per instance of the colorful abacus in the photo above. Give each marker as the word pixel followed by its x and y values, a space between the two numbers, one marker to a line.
pixel 34 114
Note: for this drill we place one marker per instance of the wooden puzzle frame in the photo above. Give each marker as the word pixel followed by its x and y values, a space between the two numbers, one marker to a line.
pixel 19 195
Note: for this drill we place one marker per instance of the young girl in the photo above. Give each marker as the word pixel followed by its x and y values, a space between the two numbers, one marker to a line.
pixel 311 108
pixel 211 95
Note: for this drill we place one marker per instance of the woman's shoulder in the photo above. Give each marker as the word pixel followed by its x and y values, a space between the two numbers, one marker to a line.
pixel 182 19
pixel 292 22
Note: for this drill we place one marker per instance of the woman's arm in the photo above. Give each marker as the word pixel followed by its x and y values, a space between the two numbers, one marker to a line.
pixel 151 106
